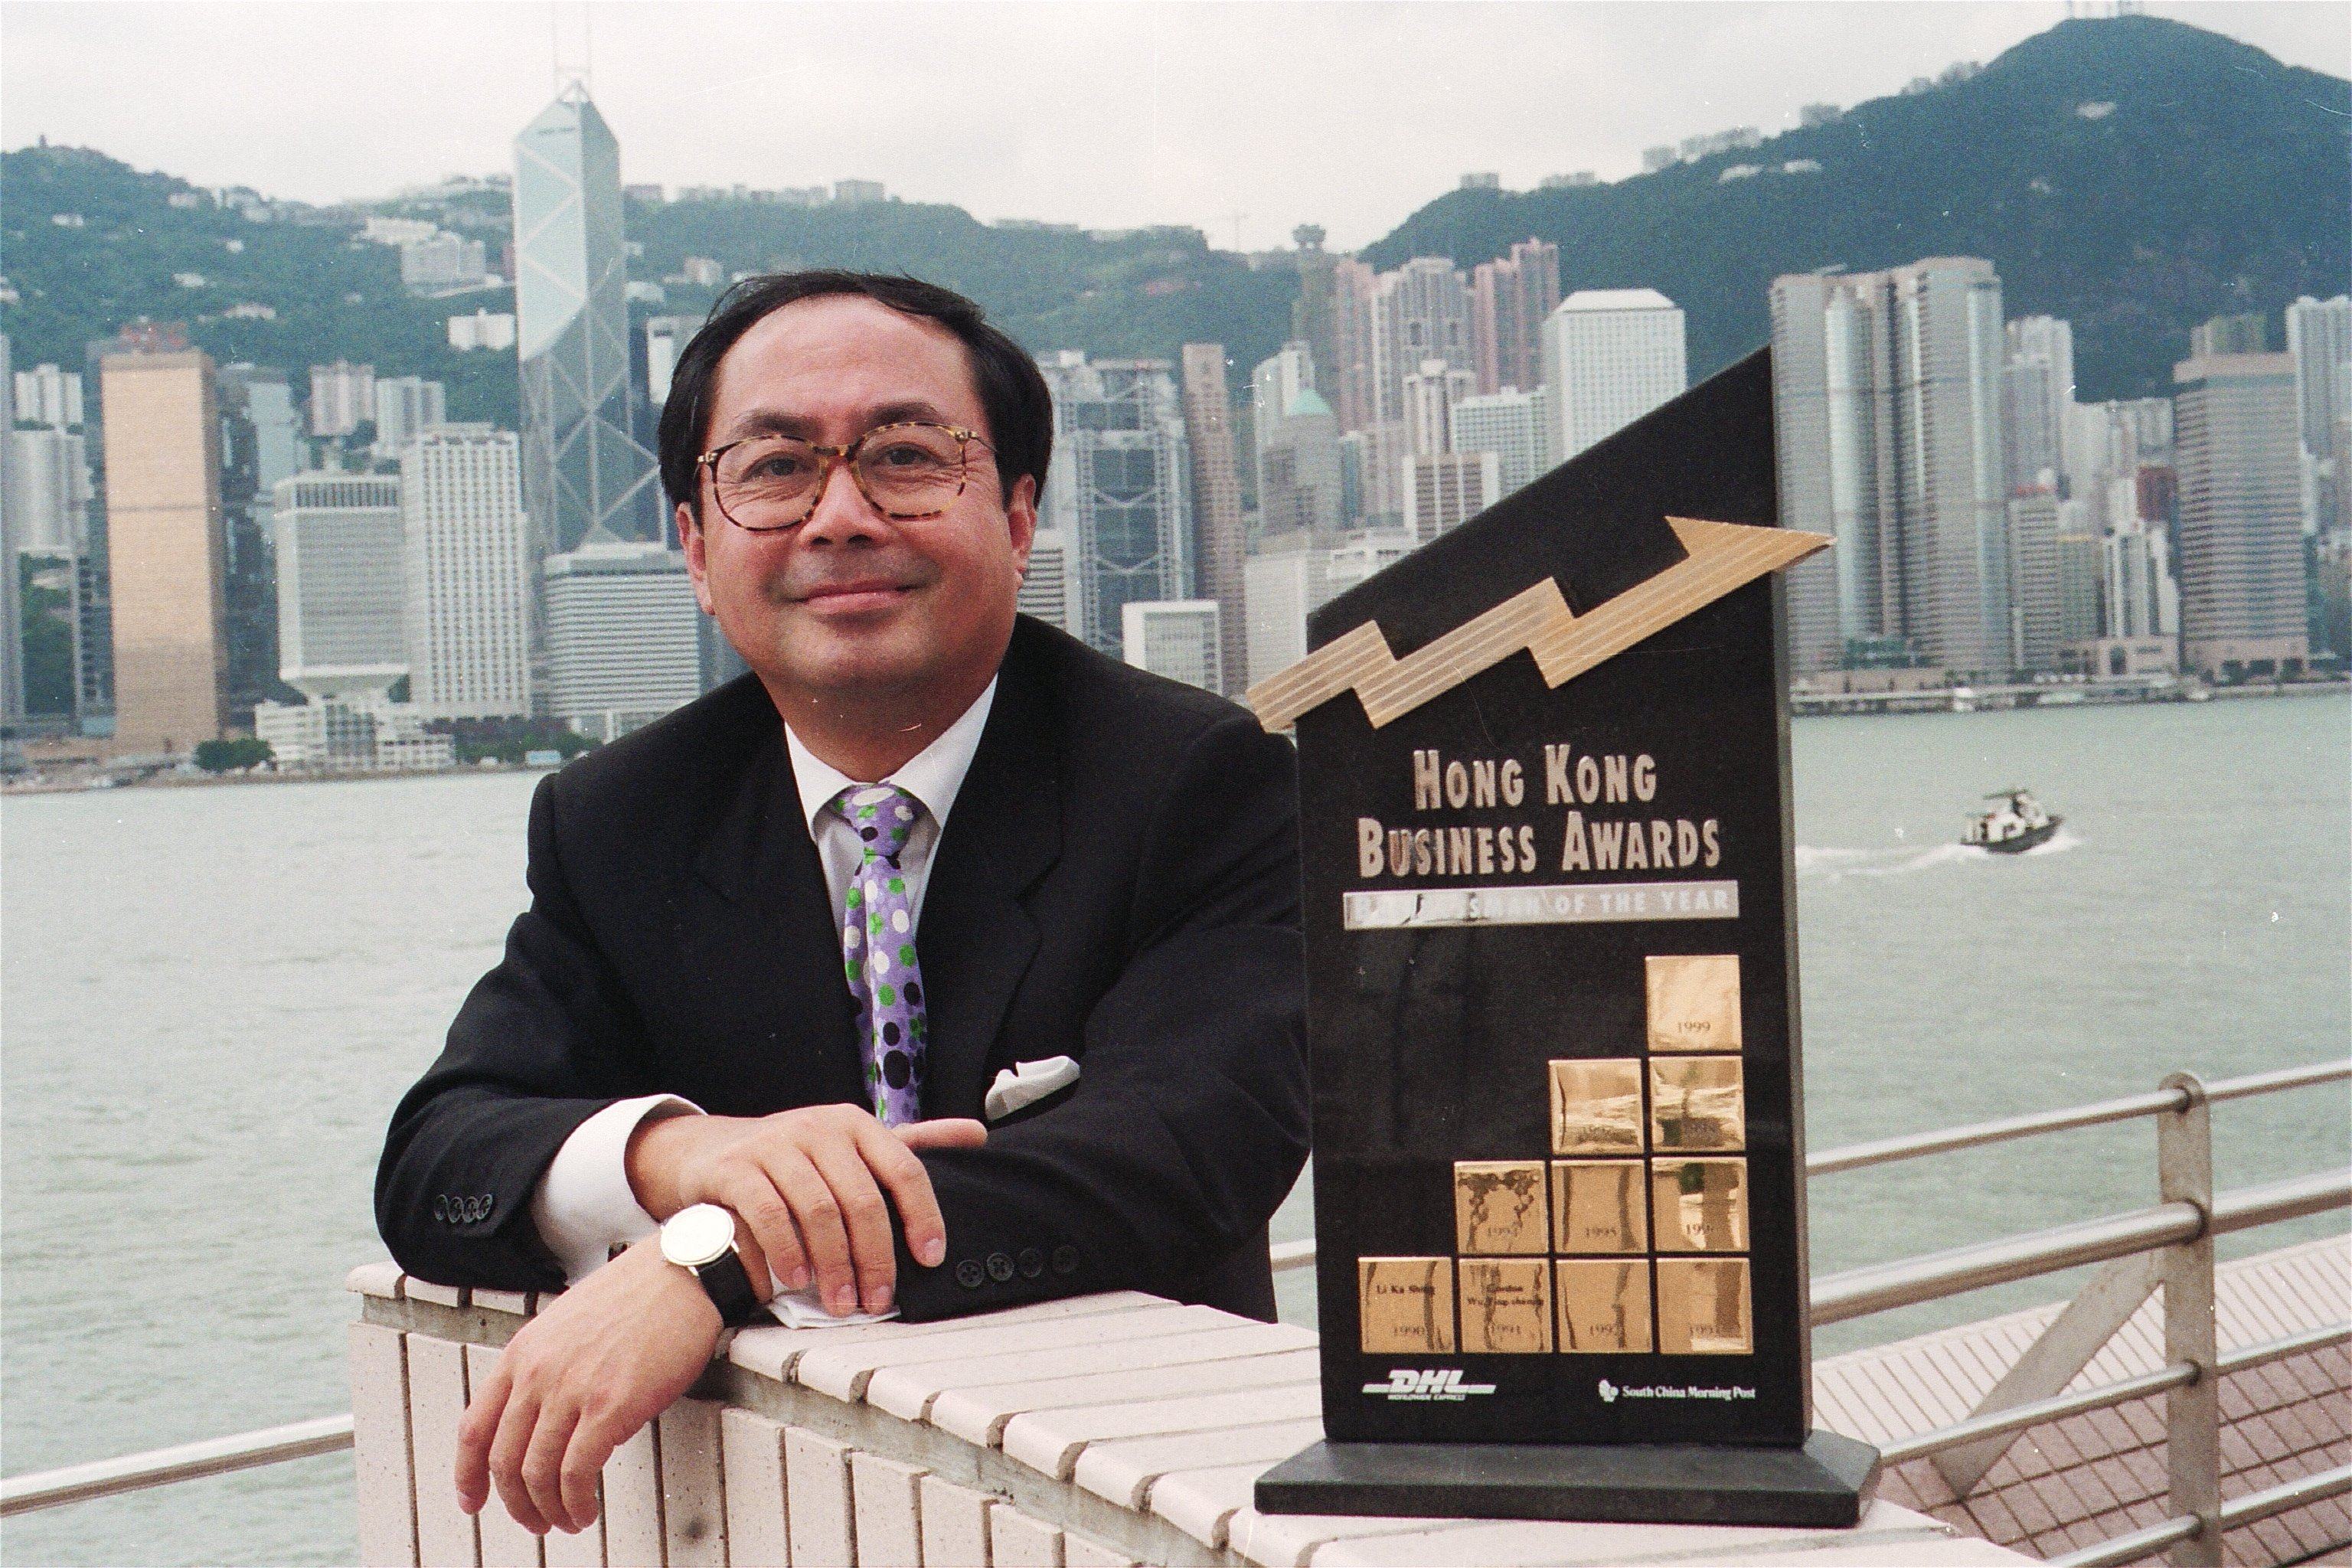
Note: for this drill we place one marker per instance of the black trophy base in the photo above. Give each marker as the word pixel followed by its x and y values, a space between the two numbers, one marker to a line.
pixel 1822 1484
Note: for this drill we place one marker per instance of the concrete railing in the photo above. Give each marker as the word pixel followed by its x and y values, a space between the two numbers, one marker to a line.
pixel 1111 1429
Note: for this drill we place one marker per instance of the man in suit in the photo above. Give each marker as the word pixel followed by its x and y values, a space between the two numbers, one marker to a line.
pixel 780 942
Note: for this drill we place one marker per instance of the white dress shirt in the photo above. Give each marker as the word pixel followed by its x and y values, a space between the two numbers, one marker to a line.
pixel 584 1207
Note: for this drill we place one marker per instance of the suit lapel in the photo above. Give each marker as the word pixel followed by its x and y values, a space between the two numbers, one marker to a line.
pixel 770 956
pixel 976 941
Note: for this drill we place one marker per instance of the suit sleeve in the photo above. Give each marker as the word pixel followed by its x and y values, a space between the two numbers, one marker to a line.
pixel 544 1041
pixel 1189 1125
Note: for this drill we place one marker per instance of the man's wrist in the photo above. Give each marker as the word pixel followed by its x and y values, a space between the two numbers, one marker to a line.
pixel 650 1164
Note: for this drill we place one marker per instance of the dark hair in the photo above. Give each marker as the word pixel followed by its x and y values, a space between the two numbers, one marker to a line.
pixel 1012 396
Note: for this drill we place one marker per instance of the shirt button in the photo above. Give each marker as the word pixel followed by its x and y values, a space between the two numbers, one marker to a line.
pixel 1000 1267
pixel 969 1274
pixel 441 1206
pixel 1065 1259
pixel 488 1199
pixel 1033 1263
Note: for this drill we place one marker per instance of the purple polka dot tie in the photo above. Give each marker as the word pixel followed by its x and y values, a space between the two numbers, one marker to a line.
pixel 878 951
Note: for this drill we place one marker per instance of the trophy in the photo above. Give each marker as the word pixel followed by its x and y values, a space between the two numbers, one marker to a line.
pixel 1552 1004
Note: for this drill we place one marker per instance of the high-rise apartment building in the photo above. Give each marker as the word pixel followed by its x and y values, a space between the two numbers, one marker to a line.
pixel 2245 333
pixel 48 397
pixel 1886 388
pixel 342 397
pixel 466 606
pixel 1121 485
pixel 1610 355
pixel 1510 299
pixel 12 608
pixel 1049 587
pixel 1274 386
pixel 2242 573
pixel 1515 425
pixel 342 585
pixel 1430 394
pixel 1349 379
pixel 163 517
pixel 1216 497
pixel 1372 475
pixel 2038 404
pixel 2139 596
pixel 1178 638
pixel 1443 490
pixel 623 636
pixel 405 404
pixel 1420 311
pixel 2319 339
pixel 583 469
pixel 48 491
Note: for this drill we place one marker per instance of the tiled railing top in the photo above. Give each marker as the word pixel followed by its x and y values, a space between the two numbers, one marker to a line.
pixel 1129 1428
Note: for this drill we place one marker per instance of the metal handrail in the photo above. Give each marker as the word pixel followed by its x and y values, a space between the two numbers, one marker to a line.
pixel 161 1467
pixel 1854 1293
pixel 2250 1509
pixel 2017 1417
pixel 2100 1396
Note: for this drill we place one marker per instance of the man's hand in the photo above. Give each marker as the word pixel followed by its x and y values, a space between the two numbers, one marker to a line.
pixel 808 1185
pixel 601 1359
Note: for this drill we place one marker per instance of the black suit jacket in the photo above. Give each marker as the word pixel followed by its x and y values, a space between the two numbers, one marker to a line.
pixel 1117 883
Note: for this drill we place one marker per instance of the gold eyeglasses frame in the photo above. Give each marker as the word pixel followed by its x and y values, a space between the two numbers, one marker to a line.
pixel 831 457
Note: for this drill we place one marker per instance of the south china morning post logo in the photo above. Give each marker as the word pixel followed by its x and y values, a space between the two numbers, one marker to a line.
pixel 1611 1394
pixel 1427 1385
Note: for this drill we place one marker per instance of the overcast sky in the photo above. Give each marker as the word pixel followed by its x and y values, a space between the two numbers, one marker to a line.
pixel 1109 115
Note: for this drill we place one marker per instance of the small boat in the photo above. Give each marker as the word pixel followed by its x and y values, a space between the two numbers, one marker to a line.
pixel 2014 825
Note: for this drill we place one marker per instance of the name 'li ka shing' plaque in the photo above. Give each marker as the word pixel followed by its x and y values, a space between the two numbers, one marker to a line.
pixel 1552 1004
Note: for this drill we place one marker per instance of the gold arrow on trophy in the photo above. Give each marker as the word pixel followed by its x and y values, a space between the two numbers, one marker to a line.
pixel 1721 556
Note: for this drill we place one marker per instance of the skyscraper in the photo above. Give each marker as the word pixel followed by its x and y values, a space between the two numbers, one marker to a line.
pixel 163 517
pixel 342 397
pixel 1515 425
pixel 1216 497
pixel 2241 573
pixel 1420 311
pixel 1430 394
pixel 1510 301
pixel 1886 388
pixel 467 604
pixel 1610 355
pixel 1274 384
pixel 1300 487
pixel 1443 490
pixel 1049 587
pixel 2038 404
pixel 47 490
pixel 623 636
pixel 261 443
pixel 2319 337
pixel 1178 638
pixel 1119 485
pixel 12 610
pixel 341 584
pixel 582 468
pixel 403 406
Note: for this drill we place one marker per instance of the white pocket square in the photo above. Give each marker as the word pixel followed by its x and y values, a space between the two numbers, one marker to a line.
pixel 1025 1083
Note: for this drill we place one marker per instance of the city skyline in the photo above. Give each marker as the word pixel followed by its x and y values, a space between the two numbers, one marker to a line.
pixel 1611 81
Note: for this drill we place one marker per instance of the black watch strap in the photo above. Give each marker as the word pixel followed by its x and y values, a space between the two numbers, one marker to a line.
pixel 730 1285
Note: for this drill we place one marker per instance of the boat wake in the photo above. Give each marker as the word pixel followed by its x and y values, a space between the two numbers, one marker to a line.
pixel 1832 863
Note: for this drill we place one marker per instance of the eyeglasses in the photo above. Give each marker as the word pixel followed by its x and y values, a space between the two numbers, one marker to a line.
pixel 909 471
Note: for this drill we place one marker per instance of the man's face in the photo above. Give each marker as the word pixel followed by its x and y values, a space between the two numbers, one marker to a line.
pixel 852 602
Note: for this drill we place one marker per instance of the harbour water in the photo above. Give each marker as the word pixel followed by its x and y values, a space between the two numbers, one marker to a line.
pixel 213 996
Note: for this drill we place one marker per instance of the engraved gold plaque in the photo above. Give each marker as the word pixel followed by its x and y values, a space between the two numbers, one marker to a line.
pixel 1498 1206
pixel 1698 1104
pixel 1597 1206
pixel 1406 1304
pixel 1605 1306
pixel 1701 1206
pixel 1703 1307
pixel 1506 1306
pixel 1694 1002
pixel 1596 1107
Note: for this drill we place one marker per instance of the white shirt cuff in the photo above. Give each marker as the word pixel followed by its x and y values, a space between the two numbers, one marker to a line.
pixel 584 1207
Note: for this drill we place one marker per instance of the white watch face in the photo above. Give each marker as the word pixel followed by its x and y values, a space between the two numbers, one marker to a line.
pixel 694 1236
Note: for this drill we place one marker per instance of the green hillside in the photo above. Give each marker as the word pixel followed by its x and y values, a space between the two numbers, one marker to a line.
pixel 2214 181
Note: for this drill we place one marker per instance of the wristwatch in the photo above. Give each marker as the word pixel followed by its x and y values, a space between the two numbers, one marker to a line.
pixel 700 1239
